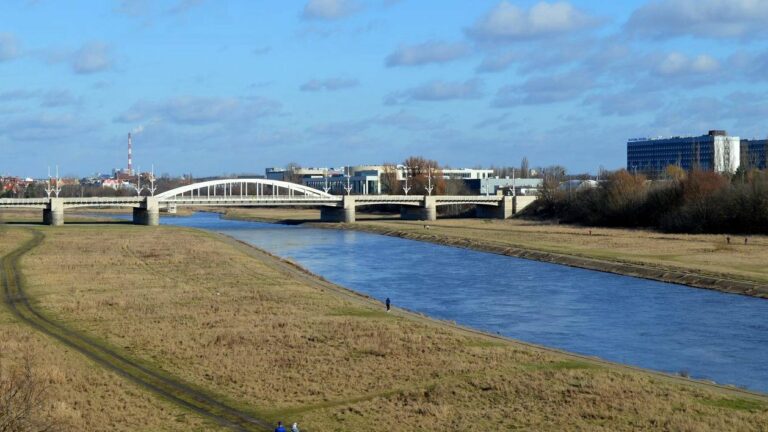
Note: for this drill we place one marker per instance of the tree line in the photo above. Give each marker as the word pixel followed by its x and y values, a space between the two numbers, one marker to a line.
pixel 686 202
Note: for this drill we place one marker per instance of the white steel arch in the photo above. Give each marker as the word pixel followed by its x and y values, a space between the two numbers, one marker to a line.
pixel 258 189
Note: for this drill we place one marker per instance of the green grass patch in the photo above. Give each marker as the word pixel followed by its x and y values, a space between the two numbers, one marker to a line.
pixel 750 405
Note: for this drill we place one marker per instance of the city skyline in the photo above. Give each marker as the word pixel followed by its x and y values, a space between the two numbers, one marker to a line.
pixel 233 86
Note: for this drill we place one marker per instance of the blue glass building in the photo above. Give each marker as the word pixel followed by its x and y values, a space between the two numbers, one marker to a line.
pixel 753 153
pixel 715 151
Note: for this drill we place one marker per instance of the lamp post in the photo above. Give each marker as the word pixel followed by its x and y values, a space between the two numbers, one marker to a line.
pixel 406 188
pixel 513 182
pixel 429 180
pixel 152 187
pixel 325 178
pixel 50 189
pixel 138 182
pixel 348 187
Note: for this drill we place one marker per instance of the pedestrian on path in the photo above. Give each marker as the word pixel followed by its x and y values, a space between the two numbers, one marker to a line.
pixel 280 427
pixel 388 303
pixel 295 427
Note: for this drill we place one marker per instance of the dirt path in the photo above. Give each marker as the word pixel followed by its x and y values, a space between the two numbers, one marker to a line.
pixel 166 386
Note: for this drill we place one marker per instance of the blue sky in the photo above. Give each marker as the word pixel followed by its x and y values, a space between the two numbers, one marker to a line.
pixel 218 87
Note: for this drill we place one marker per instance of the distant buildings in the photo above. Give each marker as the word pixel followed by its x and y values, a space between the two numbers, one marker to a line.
pixel 362 179
pixel 753 153
pixel 382 179
pixel 715 151
pixel 466 174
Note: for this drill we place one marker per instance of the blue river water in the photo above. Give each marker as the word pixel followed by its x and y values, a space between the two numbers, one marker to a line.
pixel 671 328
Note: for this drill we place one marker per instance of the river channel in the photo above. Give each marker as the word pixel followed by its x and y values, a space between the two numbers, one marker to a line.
pixel 671 328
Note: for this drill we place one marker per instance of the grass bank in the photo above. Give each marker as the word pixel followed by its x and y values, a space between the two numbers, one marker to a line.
pixel 704 260
pixel 272 338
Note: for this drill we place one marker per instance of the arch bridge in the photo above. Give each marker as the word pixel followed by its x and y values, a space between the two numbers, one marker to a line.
pixel 264 193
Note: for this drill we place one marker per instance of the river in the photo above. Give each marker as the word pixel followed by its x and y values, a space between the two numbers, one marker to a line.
pixel 671 328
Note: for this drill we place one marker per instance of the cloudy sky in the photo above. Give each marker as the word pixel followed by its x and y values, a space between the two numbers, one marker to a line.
pixel 230 86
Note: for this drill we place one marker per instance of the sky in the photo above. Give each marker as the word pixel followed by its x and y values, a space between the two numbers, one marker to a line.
pixel 217 87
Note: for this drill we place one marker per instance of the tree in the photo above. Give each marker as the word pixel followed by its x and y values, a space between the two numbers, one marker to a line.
pixel 524 167
pixel 675 172
pixel 292 172
pixel 23 400
pixel 390 185
pixel 419 171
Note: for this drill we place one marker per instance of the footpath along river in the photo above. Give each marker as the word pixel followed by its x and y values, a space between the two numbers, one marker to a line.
pixel 671 328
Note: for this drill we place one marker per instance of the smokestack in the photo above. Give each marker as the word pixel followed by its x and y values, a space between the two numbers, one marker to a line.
pixel 130 157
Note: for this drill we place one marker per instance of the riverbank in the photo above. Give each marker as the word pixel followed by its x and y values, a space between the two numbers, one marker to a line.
pixel 702 261
pixel 243 325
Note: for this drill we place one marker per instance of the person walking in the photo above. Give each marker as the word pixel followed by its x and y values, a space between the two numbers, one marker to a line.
pixel 388 303
pixel 295 427
pixel 280 427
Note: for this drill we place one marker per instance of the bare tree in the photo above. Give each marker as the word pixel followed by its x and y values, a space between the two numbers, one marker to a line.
pixel 422 173
pixel 23 399
pixel 292 173
pixel 389 183
pixel 525 167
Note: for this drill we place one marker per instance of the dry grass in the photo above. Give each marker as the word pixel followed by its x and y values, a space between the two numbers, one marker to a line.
pixel 231 320
pixel 80 395
pixel 705 253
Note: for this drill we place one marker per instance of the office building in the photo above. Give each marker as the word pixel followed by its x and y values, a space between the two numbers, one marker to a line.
pixel 753 153
pixel 715 151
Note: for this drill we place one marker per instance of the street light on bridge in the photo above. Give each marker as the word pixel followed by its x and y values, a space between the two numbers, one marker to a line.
pixel 406 188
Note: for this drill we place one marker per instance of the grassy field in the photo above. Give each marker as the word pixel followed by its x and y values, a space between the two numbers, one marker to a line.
pixel 705 254
pixel 79 395
pixel 271 339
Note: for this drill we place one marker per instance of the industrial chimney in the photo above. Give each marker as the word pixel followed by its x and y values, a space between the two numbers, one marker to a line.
pixel 130 157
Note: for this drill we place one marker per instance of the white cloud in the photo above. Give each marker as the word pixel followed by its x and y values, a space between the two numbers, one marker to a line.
pixel 200 110
pixel 507 22
pixel 497 62
pixel 184 5
pixel 329 84
pixel 426 53
pixel 545 89
pixel 91 58
pixel 46 127
pixel 134 8
pixel 9 47
pixel 680 64
pixel 438 91
pixel 700 18
pixel 329 9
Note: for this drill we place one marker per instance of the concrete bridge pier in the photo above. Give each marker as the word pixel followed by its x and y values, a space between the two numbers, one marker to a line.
pixel 426 212
pixel 53 214
pixel 148 213
pixel 345 213
pixel 504 210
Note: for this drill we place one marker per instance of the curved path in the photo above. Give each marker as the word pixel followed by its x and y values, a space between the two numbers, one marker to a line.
pixel 159 383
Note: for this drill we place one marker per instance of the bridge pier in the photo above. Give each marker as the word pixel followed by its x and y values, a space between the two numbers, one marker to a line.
pixel 53 214
pixel 345 213
pixel 504 210
pixel 148 213
pixel 426 212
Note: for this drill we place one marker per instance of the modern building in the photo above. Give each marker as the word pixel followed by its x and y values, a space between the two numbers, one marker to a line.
pixel 496 185
pixel 466 173
pixel 367 179
pixel 715 151
pixel 361 179
pixel 753 153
